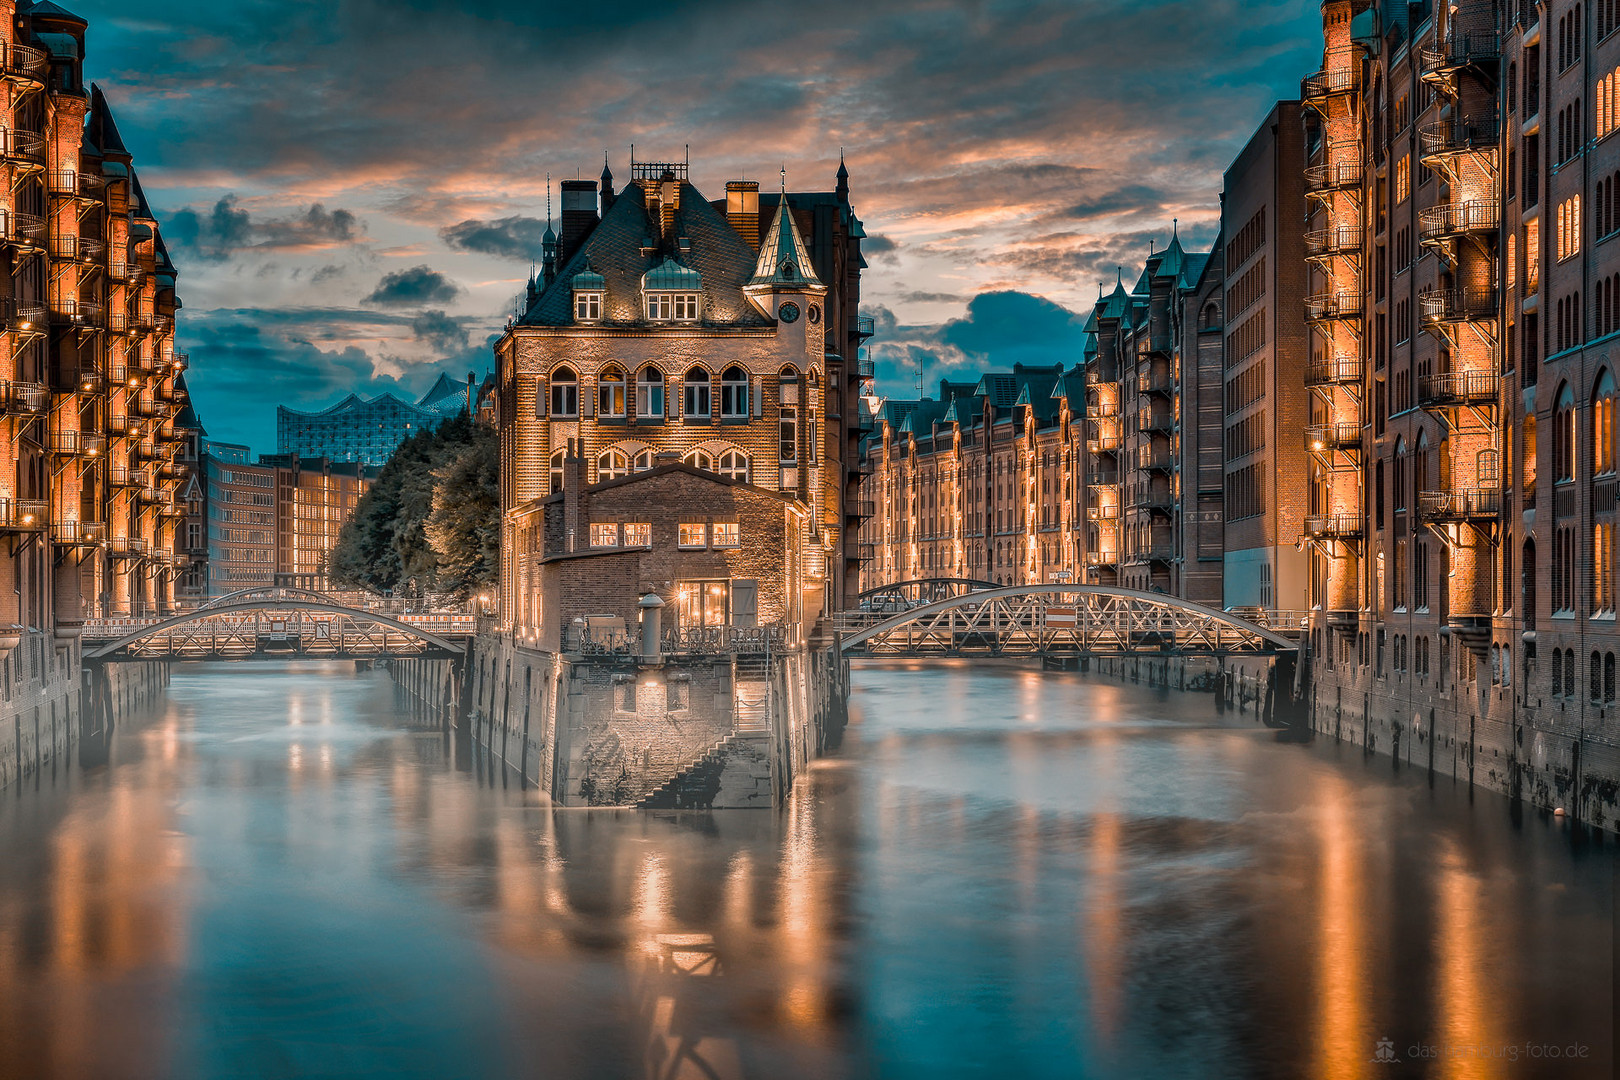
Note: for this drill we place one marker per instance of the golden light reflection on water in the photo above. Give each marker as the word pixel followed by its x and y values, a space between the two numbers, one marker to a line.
pixel 1470 1007
pixel 1344 1049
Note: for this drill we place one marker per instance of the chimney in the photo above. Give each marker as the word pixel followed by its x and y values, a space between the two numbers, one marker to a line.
pixel 742 209
pixel 669 201
pixel 578 216
pixel 574 496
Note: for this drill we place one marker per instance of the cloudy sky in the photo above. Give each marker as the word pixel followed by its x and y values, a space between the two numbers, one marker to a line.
pixel 354 189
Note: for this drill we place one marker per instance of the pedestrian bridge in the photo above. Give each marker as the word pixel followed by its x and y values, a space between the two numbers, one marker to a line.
pixel 284 623
pixel 1056 620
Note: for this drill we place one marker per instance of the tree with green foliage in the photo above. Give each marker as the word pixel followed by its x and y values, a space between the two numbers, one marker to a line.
pixel 430 523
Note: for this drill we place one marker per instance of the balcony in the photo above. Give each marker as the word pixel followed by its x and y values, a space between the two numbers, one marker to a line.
pixel 78 533
pixel 1163 551
pixel 75 312
pixel 1448 221
pixel 180 360
pixel 860 508
pixel 1331 83
pixel 24 316
pixel 122 425
pixel 1339 240
pixel 77 249
pixel 23 64
pixel 1465 46
pixel 1102 558
pixel 1156 382
pixel 23 149
pixel 865 367
pixel 1460 506
pixel 1104 444
pixel 83 381
pixel 1320 179
pixel 23 515
pixel 23 230
pixel 1335 371
pixel 76 444
pixel 1320 438
pixel 1149 421
pixel 118 322
pixel 1102 410
pixel 1150 497
pixel 864 420
pixel 866 552
pixel 118 476
pixel 1102 478
pixel 146 450
pixel 1442 138
pixel 1453 388
pixel 1457 305
pixel 70 184
pixel 171 507
pixel 23 398
pixel 865 326
pixel 1102 513
pixel 127 547
pixel 1333 526
pixel 1324 307
pixel 1152 459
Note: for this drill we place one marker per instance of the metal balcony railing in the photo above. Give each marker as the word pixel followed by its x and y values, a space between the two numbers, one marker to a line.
pixel 77 249
pixel 1330 82
pixel 1458 136
pixel 76 312
pixel 1448 220
pixel 860 508
pixel 1102 513
pixel 1335 371
pixel 1460 505
pixel 23 63
pixel 1102 478
pixel 1323 437
pixel 1153 459
pixel 1469 41
pixel 1333 177
pixel 23 149
pixel 1151 422
pixel 1150 497
pixel 1103 444
pixel 128 547
pixel 1102 558
pixel 1458 388
pixel 1155 382
pixel 23 515
pixel 82 381
pixel 1336 305
pixel 118 322
pixel 23 230
pixel 1102 410
pixel 1339 240
pixel 1334 526
pixel 1457 305
pixel 76 443
pixel 24 316
pixel 865 367
pixel 865 326
pixel 1162 551
pixel 78 533
pixel 24 398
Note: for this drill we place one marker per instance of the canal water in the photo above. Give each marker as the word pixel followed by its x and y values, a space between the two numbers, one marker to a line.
pixel 285 872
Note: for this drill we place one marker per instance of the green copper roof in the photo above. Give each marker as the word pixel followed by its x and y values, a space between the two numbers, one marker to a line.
pixel 588 279
pixel 668 275
pixel 783 259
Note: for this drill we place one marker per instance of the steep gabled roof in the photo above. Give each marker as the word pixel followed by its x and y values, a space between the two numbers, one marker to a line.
pixel 783 259
pixel 102 131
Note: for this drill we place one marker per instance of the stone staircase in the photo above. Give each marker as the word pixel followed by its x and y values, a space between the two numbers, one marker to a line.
pixel 695 786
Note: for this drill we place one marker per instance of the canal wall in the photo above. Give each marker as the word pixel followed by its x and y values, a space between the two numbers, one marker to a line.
pixel 49 700
pixel 714 732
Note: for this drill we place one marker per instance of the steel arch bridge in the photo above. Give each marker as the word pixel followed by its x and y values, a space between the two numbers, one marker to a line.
pixel 1048 620
pixel 283 624
pixel 904 595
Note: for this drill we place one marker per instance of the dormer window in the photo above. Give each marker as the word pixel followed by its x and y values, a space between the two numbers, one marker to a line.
pixel 673 306
pixel 587 306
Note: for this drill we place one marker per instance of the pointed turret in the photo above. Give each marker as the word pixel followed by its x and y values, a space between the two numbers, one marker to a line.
pixel 842 190
pixel 607 186
pixel 783 259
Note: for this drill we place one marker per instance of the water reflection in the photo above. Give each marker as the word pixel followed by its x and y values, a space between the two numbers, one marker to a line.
pixel 1006 873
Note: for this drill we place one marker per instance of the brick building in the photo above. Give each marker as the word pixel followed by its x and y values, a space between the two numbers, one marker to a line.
pixel 1267 402
pixel 663 324
pixel 91 399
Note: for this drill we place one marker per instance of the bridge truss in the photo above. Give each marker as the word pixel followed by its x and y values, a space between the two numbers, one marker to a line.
pixel 279 623
pixel 1046 620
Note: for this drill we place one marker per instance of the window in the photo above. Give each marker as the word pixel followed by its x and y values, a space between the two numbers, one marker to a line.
pixel 612 465
pixel 1603 569
pixel 693 534
pixel 673 307
pixel 650 394
pixel 727 534
pixel 1603 426
pixel 1403 179
pixel 638 534
pixel 699 459
pixel 1569 227
pixel 604 534
pixel 734 393
pixel 610 393
pixel 697 389
pixel 1564 436
pixel 588 306
pixel 788 430
pixel 733 465
pixel 556 471
pixel 564 393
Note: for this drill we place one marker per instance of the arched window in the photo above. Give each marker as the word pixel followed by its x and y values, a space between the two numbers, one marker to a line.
pixel 612 465
pixel 1564 435
pixel 696 395
pixel 1400 474
pixel 1603 425
pixel 650 394
pixel 734 393
pixel 564 393
pixel 556 471
pixel 643 462
pixel 1597 678
pixel 734 465
pixel 699 459
pixel 610 393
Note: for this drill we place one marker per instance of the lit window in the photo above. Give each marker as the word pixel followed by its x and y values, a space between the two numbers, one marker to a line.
pixel 697 390
pixel 1403 178
pixel 693 534
pixel 604 534
pixel 726 534
pixel 650 394
pixel 673 307
pixel 588 306
pixel 1569 227
pixel 637 534
pixel 610 393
